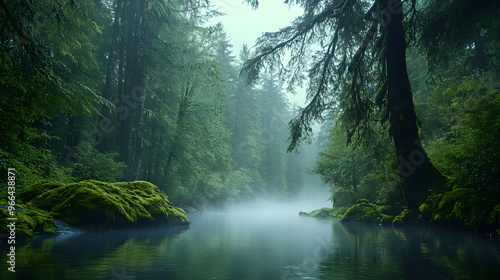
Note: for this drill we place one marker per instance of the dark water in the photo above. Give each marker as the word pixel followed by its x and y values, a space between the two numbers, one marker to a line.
pixel 260 244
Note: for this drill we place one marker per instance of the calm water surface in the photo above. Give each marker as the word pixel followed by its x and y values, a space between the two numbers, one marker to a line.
pixel 260 244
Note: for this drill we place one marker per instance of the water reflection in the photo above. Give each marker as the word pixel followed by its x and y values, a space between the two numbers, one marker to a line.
pixel 359 251
pixel 257 246
pixel 104 255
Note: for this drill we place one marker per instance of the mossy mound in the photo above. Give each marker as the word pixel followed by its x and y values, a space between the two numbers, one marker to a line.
pixel 367 213
pixel 405 217
pixel 460 208
pixel 29 222
pixel 326 212
pixel 93 204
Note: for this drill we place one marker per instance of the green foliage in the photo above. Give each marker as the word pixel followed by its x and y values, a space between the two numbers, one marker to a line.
pixel 468 152
pixel 465 30
pixel 97 166
pixel 354 172
pixel 93 204
pixel 405 217
pixel 328 212
pixel 136 89
pixel 367 213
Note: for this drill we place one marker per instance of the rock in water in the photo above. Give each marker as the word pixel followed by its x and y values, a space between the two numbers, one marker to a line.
pixel 367 213
pixel 93 204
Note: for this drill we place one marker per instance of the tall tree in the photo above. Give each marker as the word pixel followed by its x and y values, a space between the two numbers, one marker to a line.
pixel 346 72
pixel 273 108
pixel 48 68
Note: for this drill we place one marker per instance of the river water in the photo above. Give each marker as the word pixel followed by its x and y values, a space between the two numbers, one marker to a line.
pixel 259 243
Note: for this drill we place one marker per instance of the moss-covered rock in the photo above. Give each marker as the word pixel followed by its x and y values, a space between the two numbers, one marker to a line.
pixel 29 222
pixel 367 213
pixel 303 214
pixel 326 212
pixel 93 204
pixel 405 217
pixel 495 215
pixel 424 208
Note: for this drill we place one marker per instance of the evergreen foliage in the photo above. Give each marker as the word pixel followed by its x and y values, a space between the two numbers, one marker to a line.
pixel 126 90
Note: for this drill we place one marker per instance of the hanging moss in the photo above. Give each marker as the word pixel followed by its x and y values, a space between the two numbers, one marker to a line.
pixel 93 204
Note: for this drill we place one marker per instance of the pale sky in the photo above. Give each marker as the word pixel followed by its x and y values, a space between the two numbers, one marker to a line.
pixel 244 25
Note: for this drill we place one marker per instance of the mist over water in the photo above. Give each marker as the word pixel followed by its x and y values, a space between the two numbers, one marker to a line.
pixel 262 239
pixel 272 207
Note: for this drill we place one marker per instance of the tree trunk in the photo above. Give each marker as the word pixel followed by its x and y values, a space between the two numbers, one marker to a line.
pixel 417 174
pixel 183 107
pixel 480 54
pixel 112 59
pixel 133 88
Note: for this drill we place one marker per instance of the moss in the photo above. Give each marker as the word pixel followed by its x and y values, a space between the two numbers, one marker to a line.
pixel 35 190
pixel 386 219
pixel 29 222
pixel 424 208
pixel 366 212
pixel 326 212
pixel 495 215
pixel 405 217
pixel 94 204
pixel 437 218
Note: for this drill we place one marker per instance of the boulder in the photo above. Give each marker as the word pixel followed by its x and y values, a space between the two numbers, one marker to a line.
pixel 29 221
pixel 367 213
pixel 93 204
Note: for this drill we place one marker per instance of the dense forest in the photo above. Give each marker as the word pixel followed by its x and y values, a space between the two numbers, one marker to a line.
pixel 410 94
pixel 125 90
pixel 139 90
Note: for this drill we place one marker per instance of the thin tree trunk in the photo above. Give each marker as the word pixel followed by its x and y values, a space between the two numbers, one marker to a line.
pixel 481 57
pixel 183 107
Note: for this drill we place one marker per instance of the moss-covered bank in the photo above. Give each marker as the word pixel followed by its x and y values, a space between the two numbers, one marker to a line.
pixel 93 204
pixel 460 207
pixel 363 211
pixel 29 221
pixel 325 212
pixel 451 208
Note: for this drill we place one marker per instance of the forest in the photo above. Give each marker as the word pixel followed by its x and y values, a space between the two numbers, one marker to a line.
pixel 139 90
pixel 407 94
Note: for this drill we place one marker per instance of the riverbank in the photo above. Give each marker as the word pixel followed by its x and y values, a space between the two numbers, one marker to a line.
pixel 91 205
pixel 437 214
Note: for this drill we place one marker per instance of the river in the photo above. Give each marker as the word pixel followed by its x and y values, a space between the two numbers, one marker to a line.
pixel 259 243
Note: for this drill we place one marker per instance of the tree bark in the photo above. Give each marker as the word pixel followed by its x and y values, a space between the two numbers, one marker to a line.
pixel 132 90
pixel 183 107
pixel 111 63
pixel 417 174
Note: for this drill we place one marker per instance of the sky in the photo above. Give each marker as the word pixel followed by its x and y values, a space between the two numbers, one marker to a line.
pixel 244 25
